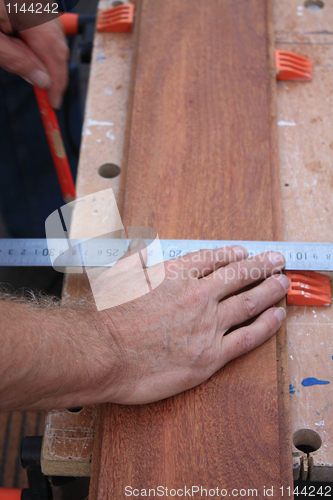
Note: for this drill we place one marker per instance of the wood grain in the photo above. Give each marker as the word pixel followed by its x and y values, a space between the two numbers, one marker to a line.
pixel 202 164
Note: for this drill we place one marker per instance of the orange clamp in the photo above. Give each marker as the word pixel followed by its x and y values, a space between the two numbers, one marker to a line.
pixel 70 23
pixel 308 289
pixel 117 19
pixel 290 66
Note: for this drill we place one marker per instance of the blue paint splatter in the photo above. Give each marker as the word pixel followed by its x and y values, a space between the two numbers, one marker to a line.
pixel 313 381
pixel 100 58
pixel 291 389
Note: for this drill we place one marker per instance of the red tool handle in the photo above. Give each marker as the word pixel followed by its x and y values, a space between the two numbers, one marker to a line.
pixel 10 494
pixel 56 145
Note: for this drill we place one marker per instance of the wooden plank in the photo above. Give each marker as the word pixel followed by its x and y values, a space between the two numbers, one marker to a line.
pixel 307 193
pixel 200 166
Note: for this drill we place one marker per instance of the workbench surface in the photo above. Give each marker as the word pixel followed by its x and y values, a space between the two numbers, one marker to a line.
pixel 305 120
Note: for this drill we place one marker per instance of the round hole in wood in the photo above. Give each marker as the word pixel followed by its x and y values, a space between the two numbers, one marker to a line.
pixel 75 410
pixel 314 4
pixel 306 440
pixel 116 3
pixel 109 170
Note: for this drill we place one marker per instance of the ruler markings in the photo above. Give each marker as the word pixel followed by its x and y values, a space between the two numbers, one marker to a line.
pixel 105 252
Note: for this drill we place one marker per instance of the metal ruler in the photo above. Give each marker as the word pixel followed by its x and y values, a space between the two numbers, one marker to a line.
pixel 60 253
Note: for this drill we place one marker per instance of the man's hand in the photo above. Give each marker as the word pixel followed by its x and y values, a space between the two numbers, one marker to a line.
pixel 173 338
pixel 148 349
pixel 41 59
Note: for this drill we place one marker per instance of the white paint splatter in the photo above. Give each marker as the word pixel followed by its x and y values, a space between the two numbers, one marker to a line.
pixel 104 218
pixel 312 184
pixel 282 123
pixel 98 140
pixel 88 132
pixel 108 91
pixel 110 135
pixel 91 122
pixel 320 424
pixel 291 358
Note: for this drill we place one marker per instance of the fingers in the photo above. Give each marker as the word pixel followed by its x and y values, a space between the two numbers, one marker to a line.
pixel 239 308
pixel 199 264
pixel 238 275
pixel 17 57
pixel 246 339
pixel 48 43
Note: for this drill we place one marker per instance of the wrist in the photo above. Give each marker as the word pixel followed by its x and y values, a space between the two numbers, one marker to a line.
pixel 52 357
pixel 88 362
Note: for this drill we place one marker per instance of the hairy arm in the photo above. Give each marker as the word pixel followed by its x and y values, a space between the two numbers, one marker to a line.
pixel 50 355
pixel 160 344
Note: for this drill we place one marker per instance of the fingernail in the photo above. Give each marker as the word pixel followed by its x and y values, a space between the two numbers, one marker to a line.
pixel 283 280
pixel 240 251
pixel 39 78
pixel 280 313
pixel 134 243
pixel 277 259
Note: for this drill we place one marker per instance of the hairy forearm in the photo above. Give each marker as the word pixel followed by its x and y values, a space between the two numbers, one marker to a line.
pixel 51 356
pixel 158 345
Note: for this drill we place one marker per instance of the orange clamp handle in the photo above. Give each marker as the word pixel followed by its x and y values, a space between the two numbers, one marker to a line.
pixel 292 67
pixel 116 19
pixel 70 23
pixel 308 289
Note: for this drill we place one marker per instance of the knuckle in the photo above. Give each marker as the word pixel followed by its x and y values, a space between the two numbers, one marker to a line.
pixel 249 304
pixel 247 340
pixel 269 325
